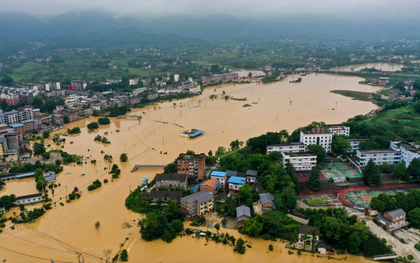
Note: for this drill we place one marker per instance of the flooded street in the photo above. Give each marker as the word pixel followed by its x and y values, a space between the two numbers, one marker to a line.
pixel 378 66
pixel 69 228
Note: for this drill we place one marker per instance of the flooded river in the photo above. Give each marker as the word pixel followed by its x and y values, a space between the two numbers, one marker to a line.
pixel 69 228
pixel 378 66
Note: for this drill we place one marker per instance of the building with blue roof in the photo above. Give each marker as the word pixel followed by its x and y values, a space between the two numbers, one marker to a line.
pixel 221 177
pixel 235 183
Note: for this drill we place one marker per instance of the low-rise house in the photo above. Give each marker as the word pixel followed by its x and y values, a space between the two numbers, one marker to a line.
pixel 163 196
pixel 49 177
pixel 221 177
pixel 393 219
pixel 28 199
pixel 267 202
pixel 231 173
pixel 171 181
pixel 210 185
pixel 198 203
pixel 306 235
pixel 251 176
pixel 243 213
pixel 299 217
pixel 235 183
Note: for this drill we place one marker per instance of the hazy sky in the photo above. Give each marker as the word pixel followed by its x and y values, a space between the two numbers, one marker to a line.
pixel 391 9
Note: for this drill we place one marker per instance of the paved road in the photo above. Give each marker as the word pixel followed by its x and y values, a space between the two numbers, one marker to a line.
pixel 398 247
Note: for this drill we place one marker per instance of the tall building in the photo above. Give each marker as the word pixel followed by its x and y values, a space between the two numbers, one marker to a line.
pixel 192 165
pixel 317 136
pixel 294 147
pixel 16 116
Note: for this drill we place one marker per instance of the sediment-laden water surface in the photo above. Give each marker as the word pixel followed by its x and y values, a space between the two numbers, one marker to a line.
pixel 66 229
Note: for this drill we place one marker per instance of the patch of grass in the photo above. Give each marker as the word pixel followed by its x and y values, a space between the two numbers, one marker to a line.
pixel 316 202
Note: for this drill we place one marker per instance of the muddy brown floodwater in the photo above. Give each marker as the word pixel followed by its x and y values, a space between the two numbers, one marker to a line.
pixel 68 229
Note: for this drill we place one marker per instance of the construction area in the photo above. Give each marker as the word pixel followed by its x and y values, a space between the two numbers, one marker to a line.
pixel 340 171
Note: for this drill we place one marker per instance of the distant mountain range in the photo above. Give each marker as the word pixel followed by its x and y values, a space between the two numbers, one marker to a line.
pixel 98 29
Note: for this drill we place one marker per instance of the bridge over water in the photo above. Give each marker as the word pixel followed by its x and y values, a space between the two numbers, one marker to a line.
pixel 147 166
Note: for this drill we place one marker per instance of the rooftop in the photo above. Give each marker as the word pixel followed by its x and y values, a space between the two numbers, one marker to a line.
pixel 174 195
pixel 308 230
pixel 230 173
pixel 286 144
pixel 395 213
pixel 299 154
pixel 200 197
pixel 211 182
pixel 316 131
pixel 267 198
pixel 243 211
pixel 237 180
pixel 28 196
pixel 251 173
pixel 218 173
pixel 190 156
pixel 171 177
pixel 377 151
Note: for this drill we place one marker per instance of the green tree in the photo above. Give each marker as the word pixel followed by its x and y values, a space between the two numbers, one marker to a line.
pixel 177 225
pixel 314 181
pixel 210 153
pixel 46 134
pixel 372 174
pixel 385 168
pixel 400 171
pixel 413 169
pixel 331 228
pixel 93 126
pixel 104 121
pixel 217 226
pixel 6 201
pixel 153 226
pixel 253 226
pixel 172 211
pixel 46 155
pixel 66 119
pixel 39 148
pixel 124 255
pixel 417 106
pixel 6 81
pixel 319 151
pixel 286 200
pixel 220 151
pixel 123 157
pixel 246 194
pixel 414 217
pixel 240 246
pixel 170 168
pixel 168 234
pixel 339 144
pixel 290 169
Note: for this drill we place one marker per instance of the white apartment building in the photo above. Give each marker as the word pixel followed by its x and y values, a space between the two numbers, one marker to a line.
pixel 300 161
pixel 294 147
pixel 409 151
pixel 338 129
pixel 354 145
pixel 378 156
pixel 317 136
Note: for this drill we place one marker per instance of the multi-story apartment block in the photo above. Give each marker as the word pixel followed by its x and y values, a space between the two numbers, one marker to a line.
pixel 192 165
pixel 338 129
pixel 294 147
pixel 300 161
pixel 378 157
pixel 198 203
pixel 409 151
pixel 317 136
pixel 16 116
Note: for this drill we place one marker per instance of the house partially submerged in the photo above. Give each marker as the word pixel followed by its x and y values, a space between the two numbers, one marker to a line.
pixel 243 213
pixel 198 203
pixel 28 199
pixel 49 177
